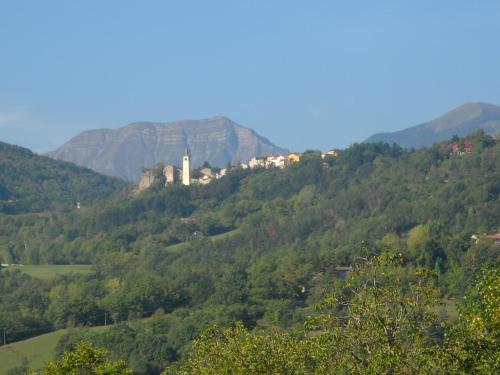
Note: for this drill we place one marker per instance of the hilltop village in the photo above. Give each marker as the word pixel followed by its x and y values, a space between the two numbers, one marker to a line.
pixel 170 174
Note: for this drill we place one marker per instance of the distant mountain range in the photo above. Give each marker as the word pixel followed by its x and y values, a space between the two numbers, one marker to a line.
pixel 460 121
pixel 125 151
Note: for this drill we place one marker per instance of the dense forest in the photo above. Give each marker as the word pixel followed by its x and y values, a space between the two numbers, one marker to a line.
pixel 33 183
pixel 263 247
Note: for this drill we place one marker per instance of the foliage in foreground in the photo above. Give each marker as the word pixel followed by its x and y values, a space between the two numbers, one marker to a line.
pixel 378 324
pixel 475 344
pixel 85 360
pixel 381 321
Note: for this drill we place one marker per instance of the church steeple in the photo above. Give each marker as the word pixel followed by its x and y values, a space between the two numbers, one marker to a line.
pixel 186 178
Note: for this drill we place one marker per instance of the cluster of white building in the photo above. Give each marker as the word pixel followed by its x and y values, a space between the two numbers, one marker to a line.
pixel 281 161
pixel 172 174
pixel 278 161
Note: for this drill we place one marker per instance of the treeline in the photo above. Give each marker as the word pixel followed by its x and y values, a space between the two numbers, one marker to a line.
pixel 257 246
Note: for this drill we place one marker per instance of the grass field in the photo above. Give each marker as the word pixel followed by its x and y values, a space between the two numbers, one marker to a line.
pixel 46 272
pixel 218 237
pixel 34 351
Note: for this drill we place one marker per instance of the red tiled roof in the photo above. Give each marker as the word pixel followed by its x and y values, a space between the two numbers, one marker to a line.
pixel 493 236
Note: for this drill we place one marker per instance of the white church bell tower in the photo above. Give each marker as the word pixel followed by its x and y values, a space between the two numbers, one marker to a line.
pixel 185 168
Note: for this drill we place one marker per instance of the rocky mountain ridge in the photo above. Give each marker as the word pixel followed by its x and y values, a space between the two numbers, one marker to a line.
pixel 123 152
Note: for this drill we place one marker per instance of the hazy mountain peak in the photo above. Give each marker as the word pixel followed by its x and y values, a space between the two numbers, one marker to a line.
pixel 124 151
pixel 459 121
pixel 460 115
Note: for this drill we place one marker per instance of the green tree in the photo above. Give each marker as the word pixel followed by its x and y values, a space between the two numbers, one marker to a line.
pixel 378 324
pixel 85 360
pixel 239 352
pixel 474 346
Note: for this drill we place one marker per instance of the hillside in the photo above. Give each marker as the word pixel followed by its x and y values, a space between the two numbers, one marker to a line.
pixel 460 121
pixel 32 183
pixel 35 351
pixel 258 246
pixel 125 151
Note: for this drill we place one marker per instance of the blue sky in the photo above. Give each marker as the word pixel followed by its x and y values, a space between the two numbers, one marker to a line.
pixel 305 74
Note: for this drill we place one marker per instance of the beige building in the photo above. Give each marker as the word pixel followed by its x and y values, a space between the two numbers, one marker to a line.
pixel 332 153
pixel 294 157
pixel 221 174
pixel 257 162
pixel 170 173
pixel 206 172
pixel 206 176
pixel 277 161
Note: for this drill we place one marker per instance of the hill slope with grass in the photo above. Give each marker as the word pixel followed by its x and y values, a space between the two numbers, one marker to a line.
pixel 33 352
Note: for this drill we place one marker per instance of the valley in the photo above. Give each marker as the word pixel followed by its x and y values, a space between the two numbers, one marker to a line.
pixel 249 187
pixel 261 246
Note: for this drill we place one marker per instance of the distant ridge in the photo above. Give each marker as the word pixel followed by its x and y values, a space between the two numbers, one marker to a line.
pixel 460 121
pixel 125 151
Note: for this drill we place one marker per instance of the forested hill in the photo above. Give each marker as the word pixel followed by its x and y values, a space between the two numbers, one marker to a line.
pixel 259 246
pixel 32 183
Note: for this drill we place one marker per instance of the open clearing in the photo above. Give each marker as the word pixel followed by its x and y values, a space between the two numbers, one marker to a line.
pixel 47 272
pixel 34 351
pixel 178 247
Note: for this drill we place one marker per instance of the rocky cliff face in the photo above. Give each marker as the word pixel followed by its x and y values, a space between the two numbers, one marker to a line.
pixel 125 151
pixel 460 121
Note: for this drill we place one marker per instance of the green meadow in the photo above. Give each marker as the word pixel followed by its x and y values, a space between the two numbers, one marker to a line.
pixel 47 272
pixel 33 352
